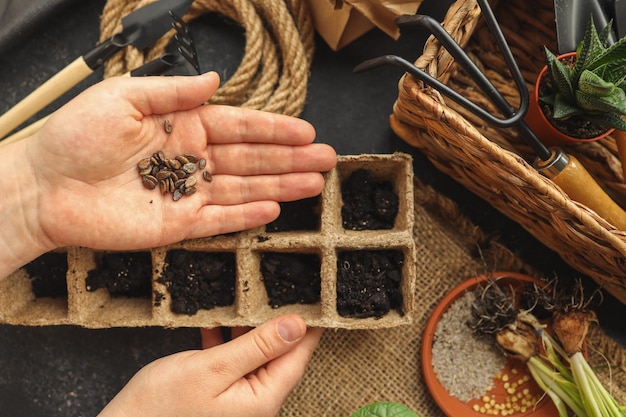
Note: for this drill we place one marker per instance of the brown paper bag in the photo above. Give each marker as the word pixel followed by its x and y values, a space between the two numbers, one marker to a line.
pixel 340 22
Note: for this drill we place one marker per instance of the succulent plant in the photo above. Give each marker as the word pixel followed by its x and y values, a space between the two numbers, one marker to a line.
pixel 593 88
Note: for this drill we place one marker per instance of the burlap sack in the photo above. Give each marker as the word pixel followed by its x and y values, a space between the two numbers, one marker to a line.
pixel 352 368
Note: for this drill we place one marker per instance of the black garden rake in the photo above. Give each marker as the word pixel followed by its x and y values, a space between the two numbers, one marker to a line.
pixel 564 170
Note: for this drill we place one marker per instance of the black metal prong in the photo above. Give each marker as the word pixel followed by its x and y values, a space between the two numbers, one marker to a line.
pixel 186 46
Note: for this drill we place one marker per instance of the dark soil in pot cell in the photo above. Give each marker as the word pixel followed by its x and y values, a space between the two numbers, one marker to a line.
pixel 368 204
pixel 291 278
pixel 48 274
pixel 369 283
pixel 123 274
pixel 199 280
pixel 301 215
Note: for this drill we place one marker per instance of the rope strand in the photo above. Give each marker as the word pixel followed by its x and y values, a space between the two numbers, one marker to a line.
pixel 274 72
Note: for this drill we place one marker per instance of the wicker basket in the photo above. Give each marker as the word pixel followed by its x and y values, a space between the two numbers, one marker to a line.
pixel 493 162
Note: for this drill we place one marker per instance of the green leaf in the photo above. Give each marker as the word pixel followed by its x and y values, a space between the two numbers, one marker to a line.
pixel 614 102
pixel 614 72
pixel 561 76
pixel 608 120
pixel 616 52
pixel 593 84
pixel 606 32
pixel 589 50
pixel 384 409
pixel 562 109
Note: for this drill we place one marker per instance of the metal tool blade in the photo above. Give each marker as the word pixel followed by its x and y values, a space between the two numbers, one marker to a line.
pixel 572 17
pixel 619 17
pixel 146 25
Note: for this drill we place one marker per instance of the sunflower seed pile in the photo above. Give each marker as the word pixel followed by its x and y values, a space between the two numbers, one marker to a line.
pixel 172 175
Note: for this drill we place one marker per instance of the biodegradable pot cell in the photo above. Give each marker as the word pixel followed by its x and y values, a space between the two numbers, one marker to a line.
pixel 249 277
pixel 291 278
pixel 199 280
pixel 122 274
pixel 301 215
pixel 369 283
pixel 368 204
pixel 48 274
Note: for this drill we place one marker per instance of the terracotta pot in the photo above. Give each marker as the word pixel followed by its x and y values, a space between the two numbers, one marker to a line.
pixel 540 125
pixel 452 406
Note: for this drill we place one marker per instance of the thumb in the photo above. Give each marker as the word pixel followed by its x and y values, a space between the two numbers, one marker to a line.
pixel 160 95
pixel 255 348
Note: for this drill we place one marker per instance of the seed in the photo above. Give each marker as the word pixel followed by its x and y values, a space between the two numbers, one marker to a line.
pixel 163 174
pixel 190 182
pixel 171 175
pixel 177 195
pixel 190 168
pixel 202 164
pixel 164 187
pixel 189 191
pixel 167 125
pixel 144 163
pixel 145 171
pixel 149 182
pixel 174 164
pixel 207 176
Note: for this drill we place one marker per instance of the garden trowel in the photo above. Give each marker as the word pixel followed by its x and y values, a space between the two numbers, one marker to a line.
pixel 572 16
pixel 141 28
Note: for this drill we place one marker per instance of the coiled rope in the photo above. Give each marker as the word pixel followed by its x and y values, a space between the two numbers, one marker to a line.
pixel 274 72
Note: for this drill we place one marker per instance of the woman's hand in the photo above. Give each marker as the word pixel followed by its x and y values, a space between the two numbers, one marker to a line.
pixel 250 376
pixel 76 183
pixel 87 155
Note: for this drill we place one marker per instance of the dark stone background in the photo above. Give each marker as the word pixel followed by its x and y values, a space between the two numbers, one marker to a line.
pixel 70 371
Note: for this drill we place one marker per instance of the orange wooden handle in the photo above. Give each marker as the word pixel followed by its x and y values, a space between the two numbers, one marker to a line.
pixel 581 187
pixel 620 140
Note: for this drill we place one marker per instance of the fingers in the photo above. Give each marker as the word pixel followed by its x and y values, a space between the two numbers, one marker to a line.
pixel 254 159
pixel 216 220
pixel 160 95
pixel 288 370
pixel 259 346
pixel 229 190
pixel 226 124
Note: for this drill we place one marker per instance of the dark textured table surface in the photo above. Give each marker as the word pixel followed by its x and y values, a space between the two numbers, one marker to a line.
pixel 70 371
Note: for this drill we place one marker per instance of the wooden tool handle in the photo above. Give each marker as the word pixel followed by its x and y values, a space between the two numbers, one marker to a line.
pixel 44 95
pixel 620 140
pixel 24 133
pixel 581 187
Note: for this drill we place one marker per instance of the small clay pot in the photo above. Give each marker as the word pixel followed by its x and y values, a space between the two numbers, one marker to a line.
pixel 539 124
pixel 452 406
